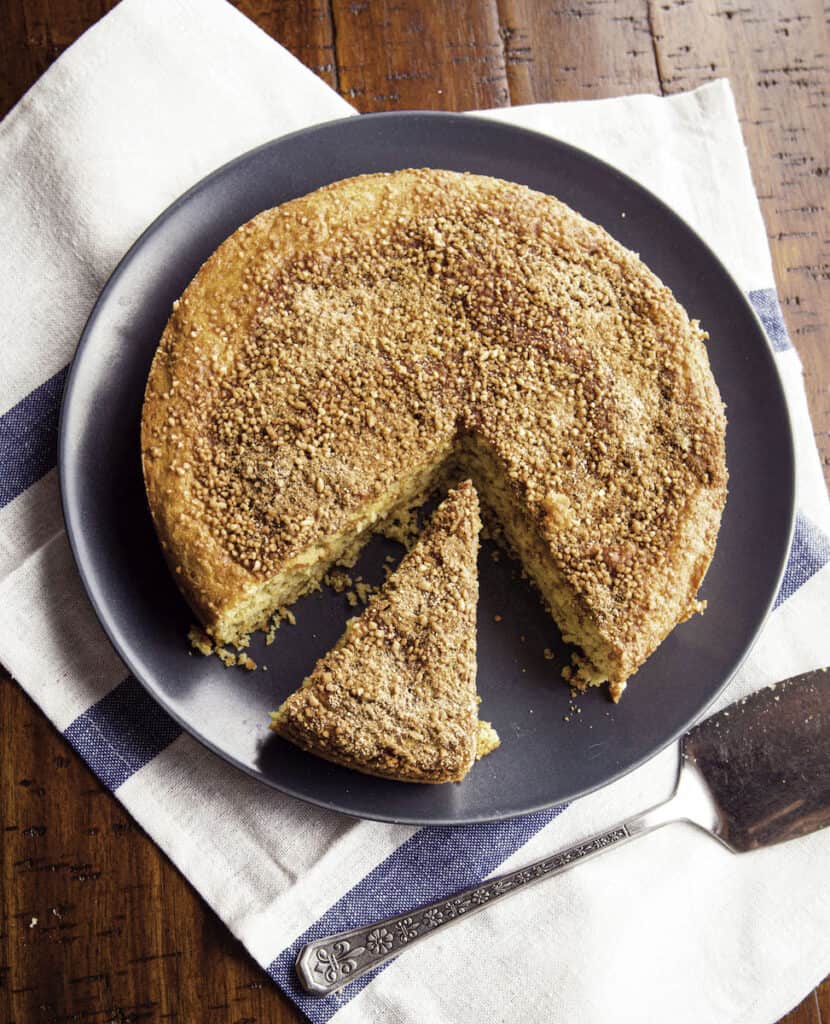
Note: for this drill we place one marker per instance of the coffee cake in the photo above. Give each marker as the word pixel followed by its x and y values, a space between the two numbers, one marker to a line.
pixel 336 354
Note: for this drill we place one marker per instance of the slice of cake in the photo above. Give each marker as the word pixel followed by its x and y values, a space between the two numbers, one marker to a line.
pixel 397 696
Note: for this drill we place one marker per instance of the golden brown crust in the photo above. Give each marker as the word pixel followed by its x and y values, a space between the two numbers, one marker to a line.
pixel 397 696
pixel 337 344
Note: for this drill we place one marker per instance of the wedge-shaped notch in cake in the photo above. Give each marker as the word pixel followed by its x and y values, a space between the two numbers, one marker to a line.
pixel 396 696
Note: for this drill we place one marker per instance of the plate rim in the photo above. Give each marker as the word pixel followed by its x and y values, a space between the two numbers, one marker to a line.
pixel 74 529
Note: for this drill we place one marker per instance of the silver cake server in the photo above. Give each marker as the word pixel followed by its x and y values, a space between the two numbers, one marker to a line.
pixel 755 774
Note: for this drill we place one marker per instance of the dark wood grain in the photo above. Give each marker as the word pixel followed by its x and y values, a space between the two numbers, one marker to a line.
pixel 577 51
pixel 408 55
pixel 777 57
pixel 94 922
pixel 807 1012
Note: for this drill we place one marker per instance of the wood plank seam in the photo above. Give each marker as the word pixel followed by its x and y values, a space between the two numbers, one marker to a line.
pixel 334 51
pixel 655 49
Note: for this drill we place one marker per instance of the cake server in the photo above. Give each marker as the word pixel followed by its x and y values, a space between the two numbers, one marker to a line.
pixel 755 774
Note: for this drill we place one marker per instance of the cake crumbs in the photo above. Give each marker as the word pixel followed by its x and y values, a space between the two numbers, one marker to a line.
pixel 574 709
pixel 338 580
pixel 282 614
pixel 200 641
pixel 351 597
pixel 402 527
pixel 548 654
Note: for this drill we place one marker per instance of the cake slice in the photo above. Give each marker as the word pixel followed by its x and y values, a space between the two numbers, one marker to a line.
pixel 396 696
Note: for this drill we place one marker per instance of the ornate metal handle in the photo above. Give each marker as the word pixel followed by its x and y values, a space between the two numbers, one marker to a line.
pixel 325 965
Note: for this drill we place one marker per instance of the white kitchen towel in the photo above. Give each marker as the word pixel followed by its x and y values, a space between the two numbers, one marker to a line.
pixel 673 927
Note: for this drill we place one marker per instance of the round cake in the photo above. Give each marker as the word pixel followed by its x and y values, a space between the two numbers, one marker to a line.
pixel 342 356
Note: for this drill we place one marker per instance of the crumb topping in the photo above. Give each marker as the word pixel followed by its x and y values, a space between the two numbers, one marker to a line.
pixel 339 341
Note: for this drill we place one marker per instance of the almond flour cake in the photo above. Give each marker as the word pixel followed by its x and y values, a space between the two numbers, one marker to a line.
pixel 396 696
pixel 339 355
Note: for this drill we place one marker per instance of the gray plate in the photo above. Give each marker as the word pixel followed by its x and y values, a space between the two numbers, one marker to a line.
pixel 543 759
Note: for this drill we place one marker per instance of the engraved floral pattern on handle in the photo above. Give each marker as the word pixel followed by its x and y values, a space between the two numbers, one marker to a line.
pixel 407 929
pixel 336 960
pixel 432 917
pixel 379 941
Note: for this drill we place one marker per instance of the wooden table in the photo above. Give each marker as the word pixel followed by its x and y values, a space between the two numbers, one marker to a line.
pixel 95 924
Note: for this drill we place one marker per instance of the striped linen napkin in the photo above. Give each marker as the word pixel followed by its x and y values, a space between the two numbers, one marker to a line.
pixel 156 95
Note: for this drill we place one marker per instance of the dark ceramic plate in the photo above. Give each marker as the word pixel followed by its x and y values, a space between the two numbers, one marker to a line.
pixel 544 759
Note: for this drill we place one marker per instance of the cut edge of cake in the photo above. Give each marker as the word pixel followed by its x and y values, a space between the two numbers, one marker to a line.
pixel 303 574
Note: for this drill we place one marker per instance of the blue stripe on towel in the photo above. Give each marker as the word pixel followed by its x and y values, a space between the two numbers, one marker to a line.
pixel 765 303
pixel 122 732
pixel 430 865
pixel 29 438
pixel 809 552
